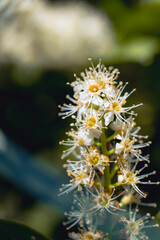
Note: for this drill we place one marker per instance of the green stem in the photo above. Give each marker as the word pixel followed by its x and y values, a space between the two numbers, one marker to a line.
pixel 97 183
pixel 98 144
pixel 103 143
pixel 107 180
pixel 114 171
pixel 111 151
pixel 116 184
pixel 111 137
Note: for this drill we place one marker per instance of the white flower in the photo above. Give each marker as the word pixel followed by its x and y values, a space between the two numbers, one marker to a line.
pixel 97 83
pixel 68 110
pixel 104 200
pixel 108 117
pixel 114 106
pixel 80 138
pixel 91 93
pixel 122 128
pixel 90 234
pixel 86 169
pixel 109 91
pixel 128 175
pixel 91 122
pixel 132 196
pixel 134 226
pixel 94 160
pixel 79 212
pixel 118 125
pixel 81 176
pixel 129 144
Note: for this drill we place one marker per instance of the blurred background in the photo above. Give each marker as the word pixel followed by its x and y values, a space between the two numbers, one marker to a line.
pixel 42 44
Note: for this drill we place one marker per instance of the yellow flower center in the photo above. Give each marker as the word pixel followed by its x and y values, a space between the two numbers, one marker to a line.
pixel 103 199
pixel 90 122
pixel 102 84
pixel 116 106
pixel 134 227
pixel 127 145
pixel 93 160
pixel 81 142
pixel 80 177
pixel 130 176
pixel 93 88
pixel 87 237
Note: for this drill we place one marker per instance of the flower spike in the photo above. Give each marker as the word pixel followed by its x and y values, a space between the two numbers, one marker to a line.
pixel 106 164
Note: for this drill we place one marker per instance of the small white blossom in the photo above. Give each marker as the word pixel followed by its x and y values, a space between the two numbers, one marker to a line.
pixel 104 200
pixel 80 177
pixel 95 160
pixel 68 110
pixel 133 196
pixel 129 144
pixel 114 106
pixel 128 175
pixel 91 119
pixel 134 227
pixel 78 139
pixel 90 234
pixel 80 210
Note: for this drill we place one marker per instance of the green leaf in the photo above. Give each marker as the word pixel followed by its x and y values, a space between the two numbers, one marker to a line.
pixel 141 50
pixel 12 230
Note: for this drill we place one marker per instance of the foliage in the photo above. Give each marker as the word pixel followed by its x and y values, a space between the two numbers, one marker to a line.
pixel 11 230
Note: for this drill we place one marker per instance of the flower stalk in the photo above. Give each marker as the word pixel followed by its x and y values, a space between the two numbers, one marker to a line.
pixel 106 172
pixel 107 179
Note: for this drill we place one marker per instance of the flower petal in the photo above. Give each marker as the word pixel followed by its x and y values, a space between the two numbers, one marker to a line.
pixel 108 117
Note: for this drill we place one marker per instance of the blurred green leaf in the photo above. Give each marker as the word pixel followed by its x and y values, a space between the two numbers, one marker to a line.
pixel 157 217
pixel 150 1
pixel 138 20
pixel 11 230
pixel 141 50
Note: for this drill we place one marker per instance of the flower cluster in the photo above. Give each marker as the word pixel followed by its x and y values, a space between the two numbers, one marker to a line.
pixel 40 26
pixel 107 149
